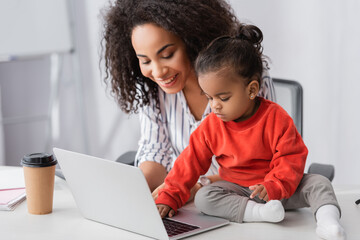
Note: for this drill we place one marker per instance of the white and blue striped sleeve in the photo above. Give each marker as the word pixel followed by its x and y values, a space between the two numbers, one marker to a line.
pixel 154 143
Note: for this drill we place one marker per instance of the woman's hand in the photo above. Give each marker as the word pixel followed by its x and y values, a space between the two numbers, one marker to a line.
pixel 193 191
pixel 155 193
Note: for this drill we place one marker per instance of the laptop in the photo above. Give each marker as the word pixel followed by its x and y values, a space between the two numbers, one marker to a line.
pixel 118 195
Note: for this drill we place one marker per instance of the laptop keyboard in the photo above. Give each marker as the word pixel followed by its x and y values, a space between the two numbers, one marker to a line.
pixel 174 228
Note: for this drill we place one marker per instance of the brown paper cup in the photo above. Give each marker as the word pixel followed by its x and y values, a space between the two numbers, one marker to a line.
pixel 39 183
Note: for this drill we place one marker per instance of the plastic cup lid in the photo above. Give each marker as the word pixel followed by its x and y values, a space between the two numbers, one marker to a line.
pixel 38 160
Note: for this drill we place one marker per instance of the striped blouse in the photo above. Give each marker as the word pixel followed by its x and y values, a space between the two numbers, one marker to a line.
pixel 164 136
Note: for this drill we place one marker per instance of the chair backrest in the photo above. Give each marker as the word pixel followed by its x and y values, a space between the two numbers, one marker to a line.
pixel 289 95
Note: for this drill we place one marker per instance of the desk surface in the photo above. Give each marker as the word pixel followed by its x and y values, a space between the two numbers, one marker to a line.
pixel 66 222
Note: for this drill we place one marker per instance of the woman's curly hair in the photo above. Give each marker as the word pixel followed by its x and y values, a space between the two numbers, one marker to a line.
pixel 196 22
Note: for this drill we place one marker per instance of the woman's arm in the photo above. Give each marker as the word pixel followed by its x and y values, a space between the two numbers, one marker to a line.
pixel 194 189
pixel 154 173
pixel 154 155
pixel 197 186
pixel 214 178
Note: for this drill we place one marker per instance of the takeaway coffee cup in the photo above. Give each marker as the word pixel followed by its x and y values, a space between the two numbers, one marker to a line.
pixel 39 173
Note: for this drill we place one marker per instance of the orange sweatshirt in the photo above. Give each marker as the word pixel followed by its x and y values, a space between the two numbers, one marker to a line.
pixel 265 149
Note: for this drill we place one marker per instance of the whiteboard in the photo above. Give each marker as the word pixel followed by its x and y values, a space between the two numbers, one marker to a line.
pixel 34 27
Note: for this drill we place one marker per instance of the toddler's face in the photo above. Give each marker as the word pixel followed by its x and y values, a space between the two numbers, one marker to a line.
pixel 229 96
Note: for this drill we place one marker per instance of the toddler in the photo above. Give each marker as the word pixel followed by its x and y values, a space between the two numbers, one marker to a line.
pixel 260 153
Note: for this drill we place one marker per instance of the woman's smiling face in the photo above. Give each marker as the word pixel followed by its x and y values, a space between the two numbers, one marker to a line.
pixel 162 57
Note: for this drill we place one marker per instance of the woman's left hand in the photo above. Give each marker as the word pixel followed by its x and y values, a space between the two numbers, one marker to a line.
pixel 193 191
pixel 155 193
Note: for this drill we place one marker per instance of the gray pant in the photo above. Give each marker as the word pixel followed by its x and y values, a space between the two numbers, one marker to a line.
pixel 228 200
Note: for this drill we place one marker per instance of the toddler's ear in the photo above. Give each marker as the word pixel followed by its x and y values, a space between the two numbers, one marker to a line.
pixel 253 89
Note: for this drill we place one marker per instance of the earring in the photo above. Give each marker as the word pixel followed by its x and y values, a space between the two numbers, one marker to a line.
pixel 252 96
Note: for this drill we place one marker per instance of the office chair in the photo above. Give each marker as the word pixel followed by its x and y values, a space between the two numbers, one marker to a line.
pixel 289 94
pixel 127 158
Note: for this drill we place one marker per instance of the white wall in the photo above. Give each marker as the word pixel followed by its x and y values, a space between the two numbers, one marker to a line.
pixel 312 41
pixel 110 131
pixel 89 119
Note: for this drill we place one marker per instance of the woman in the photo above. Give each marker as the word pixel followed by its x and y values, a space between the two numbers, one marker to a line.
pixel 150 49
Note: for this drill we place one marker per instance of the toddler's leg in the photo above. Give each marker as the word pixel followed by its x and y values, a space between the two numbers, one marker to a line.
pixel 315 191
pixel 222 199
pixel 231 201
pixel 328 225
pixel 272 211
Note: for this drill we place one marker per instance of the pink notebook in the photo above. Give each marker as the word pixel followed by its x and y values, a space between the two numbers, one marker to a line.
pixel 10 198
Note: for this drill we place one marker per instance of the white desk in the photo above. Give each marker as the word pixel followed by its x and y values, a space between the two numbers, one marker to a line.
pixel 66 222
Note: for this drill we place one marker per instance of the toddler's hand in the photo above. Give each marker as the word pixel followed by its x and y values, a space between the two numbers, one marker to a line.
pixel 261 190
pixel 165 210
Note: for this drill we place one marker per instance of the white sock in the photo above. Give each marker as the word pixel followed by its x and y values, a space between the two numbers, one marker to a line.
pixel 328 223
pixel 272 211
